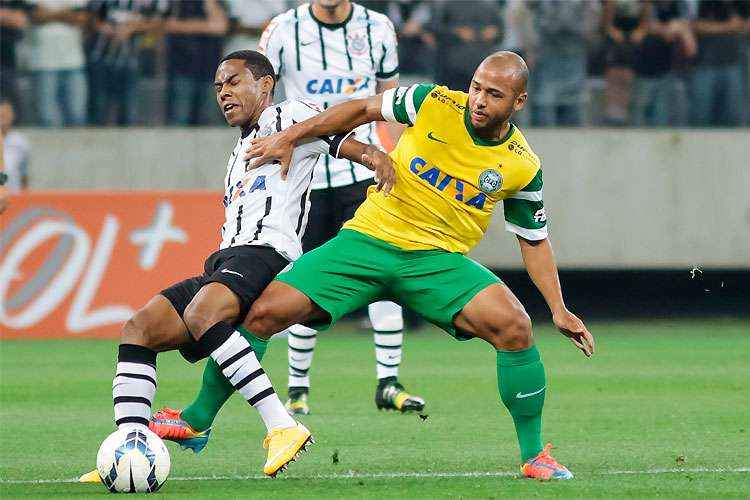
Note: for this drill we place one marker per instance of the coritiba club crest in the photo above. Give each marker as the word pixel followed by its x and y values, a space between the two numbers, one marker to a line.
pixel 490 181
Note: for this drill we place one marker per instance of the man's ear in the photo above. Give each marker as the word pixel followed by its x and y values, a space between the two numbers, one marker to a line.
pixel 266 84
pixel 520 101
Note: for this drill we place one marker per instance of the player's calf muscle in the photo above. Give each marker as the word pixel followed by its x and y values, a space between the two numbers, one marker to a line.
pixel 156 326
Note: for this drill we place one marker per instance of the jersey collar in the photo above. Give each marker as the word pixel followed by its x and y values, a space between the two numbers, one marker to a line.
pixel 332 26
pixel 249 130
pixel 479 141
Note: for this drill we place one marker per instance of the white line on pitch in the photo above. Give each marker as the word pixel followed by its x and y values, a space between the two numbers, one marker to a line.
pixel 397 475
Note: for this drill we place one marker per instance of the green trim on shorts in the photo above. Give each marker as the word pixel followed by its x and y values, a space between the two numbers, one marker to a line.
pixel 354 269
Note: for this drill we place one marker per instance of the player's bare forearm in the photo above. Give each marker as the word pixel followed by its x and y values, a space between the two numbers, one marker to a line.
pixel 339 119
pixel 540 264
pixel 374 159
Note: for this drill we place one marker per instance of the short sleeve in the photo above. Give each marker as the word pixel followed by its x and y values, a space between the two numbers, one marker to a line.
pixel 401 104
pixel 388 67
pixel 271 44
pixel 524 211
pixel 329 145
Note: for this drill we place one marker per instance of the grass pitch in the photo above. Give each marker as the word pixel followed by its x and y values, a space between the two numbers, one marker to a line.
pixel 661 409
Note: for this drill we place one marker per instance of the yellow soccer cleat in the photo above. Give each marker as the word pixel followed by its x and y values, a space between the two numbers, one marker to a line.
pixel 90 477
pixel 284 446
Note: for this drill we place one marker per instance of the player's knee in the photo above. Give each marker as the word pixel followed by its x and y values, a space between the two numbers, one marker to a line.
pixel 199 318
pixel 261 320
pixel 139 330
pixel 512 334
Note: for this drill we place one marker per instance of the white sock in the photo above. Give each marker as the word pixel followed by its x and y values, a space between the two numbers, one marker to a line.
pixel 240 366
pixel 388 323
pixel 134 386
pixel 301 340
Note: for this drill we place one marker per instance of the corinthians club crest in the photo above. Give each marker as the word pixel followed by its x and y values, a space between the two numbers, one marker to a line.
pixel 490 181
pixel 357 43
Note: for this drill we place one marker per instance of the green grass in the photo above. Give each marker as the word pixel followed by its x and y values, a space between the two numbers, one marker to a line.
pixel 655 391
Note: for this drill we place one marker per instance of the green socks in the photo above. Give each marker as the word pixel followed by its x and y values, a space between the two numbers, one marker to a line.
pixel 521 383
pixel 216 389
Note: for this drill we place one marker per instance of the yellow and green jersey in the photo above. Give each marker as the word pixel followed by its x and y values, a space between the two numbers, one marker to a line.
pixel 448 179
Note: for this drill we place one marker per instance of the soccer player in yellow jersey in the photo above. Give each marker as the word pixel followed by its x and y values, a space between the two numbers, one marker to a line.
pixel 458 158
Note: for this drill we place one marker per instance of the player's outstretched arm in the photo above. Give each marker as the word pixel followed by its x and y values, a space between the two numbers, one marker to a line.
pixel 540 264
pixel 339 119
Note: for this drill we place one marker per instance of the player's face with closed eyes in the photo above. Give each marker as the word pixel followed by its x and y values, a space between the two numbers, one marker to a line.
pixel 493 98
pixel 240 96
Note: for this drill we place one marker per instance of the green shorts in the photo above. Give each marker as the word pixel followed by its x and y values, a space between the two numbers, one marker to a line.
pixel 353 270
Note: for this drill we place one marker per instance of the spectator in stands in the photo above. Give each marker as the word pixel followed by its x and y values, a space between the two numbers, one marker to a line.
pixel 563 30
pixel 194 43
pixel 113 50
pixel 717 94
pixel 465 33
pixel 625 26
pixel 416 45
pixel 248 19
pixel 14 20
pixel 668 31
pixel 58 63
pixel 16 149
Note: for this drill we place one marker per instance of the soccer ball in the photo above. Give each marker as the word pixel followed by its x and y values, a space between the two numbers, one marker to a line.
pixel 133 461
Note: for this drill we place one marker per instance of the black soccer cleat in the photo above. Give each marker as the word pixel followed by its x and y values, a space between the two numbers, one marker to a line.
pixel 391 395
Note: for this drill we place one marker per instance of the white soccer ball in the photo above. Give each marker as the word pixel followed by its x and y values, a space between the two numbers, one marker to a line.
pixel 134 460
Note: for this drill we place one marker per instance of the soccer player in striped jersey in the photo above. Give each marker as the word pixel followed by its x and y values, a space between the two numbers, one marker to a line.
pixel 266 213
pixel 330 51
pixel 459 158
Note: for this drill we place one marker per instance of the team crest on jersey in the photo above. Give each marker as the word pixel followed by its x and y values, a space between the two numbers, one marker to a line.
pixel 357 42
pixel 490 181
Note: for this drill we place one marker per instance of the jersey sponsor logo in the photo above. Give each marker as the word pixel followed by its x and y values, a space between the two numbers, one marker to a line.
pixel 432 175
pixel 490 181
pixel 516 146
pixel 238 190
pixel 444 98
pixel 430 136
pixel 345 85
pixel 540 215
pixel 357 43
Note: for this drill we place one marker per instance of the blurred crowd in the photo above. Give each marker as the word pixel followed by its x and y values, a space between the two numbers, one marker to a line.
pixel 593 62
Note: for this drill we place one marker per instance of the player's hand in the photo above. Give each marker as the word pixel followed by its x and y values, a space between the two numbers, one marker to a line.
pixel 572 327
pixel 278 146
pixel 381 163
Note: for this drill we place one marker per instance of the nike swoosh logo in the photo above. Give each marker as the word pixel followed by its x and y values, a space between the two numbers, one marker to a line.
pixel 430 136
pixel 521 396
pixel 231 272
pixel 305 44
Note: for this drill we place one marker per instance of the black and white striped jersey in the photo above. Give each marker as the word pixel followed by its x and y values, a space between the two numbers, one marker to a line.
pixel 260 207
pixel 331 63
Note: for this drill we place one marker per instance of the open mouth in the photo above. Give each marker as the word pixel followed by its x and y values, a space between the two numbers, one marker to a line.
pixel 229 106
